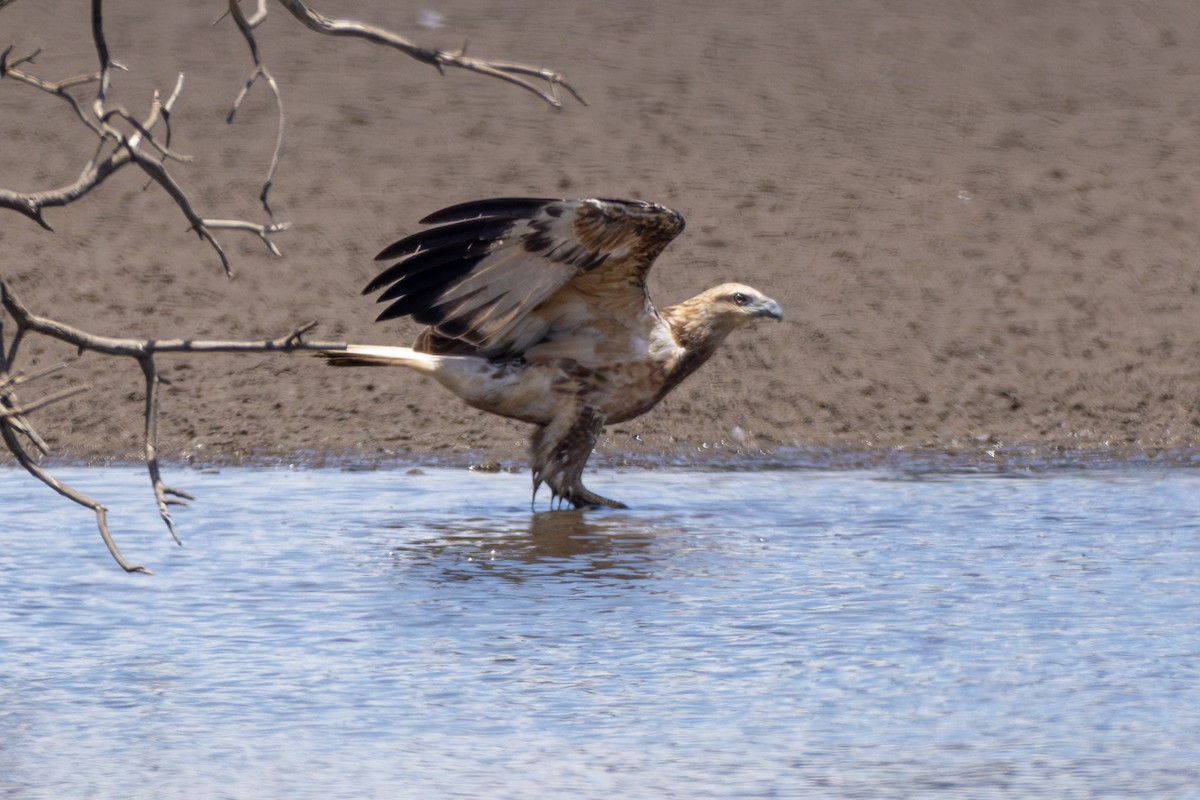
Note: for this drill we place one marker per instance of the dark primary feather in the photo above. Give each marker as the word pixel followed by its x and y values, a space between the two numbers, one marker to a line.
pixel 505 207
pixel 424 269
pixel 489 263
pixel 465 233
pixel 437 257
pixel 421 305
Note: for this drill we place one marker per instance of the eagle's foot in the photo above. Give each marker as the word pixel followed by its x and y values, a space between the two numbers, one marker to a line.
pixel 559 451
pixel 581 497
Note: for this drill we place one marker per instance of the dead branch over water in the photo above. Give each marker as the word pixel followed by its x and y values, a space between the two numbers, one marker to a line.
pixel 19 433
pixel 143 141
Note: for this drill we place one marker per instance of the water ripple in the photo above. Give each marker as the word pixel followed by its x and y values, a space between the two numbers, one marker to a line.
pixel 738 634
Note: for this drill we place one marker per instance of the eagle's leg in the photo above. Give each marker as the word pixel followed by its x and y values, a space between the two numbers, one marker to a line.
pixel 559 452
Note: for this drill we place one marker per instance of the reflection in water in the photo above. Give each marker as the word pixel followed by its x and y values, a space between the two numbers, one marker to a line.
pixel 586 544
pixel 782 634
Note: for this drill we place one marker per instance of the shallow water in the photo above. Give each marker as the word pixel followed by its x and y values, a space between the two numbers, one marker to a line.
pixel 785 633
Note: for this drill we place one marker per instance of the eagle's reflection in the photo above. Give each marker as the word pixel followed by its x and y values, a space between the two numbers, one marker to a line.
pixel 584 544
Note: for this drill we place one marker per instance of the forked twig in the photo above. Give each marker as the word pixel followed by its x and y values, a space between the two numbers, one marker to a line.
pixel 14 426
pixel 72 494
pixel 161 490
pixel 246 26
pixel 12 413
pixel 440 59
pixel 115 149
pixel 23 409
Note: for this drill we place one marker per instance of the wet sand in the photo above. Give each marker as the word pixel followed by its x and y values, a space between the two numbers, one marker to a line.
pixel 981 222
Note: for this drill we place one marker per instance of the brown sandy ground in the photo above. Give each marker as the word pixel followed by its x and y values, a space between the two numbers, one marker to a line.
pixel 981 219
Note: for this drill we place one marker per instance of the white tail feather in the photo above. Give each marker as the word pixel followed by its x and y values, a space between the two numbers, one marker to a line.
pixel 370 355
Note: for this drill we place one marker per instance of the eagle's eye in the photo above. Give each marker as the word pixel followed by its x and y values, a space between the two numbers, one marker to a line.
pixel 740 299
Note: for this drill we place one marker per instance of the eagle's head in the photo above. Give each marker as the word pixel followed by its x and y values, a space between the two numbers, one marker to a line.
pixel 702 323
pixel 732 305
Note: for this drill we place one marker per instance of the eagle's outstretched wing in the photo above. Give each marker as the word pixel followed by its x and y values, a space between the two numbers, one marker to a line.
pixel 492 277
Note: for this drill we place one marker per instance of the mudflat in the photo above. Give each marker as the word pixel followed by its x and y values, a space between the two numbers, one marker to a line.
pixel 981 220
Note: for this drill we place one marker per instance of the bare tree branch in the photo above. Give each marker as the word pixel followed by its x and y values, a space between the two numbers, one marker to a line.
pixel 21 410
pixel 14 426
pixel 116 149
pixel 101 51
pixel 15 412
pixel 255 19
pixel 20 376
pixel 161 490
pixel 127 149
pixel 141 348
pixel 9 68
pixel 13 422
pixel 504 70
pixel 246 26
pixel 17 449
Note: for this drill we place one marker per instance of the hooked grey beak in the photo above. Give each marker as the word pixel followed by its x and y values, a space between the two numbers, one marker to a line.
pixel 769 308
